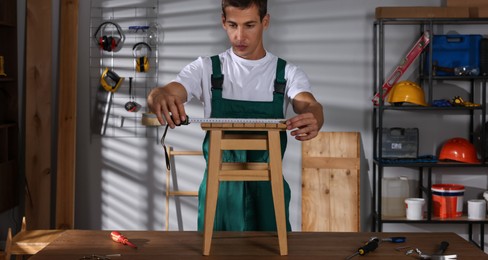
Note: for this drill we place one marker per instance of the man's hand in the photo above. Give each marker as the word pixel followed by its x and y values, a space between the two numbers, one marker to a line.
pixel 167 103
pixel 306 125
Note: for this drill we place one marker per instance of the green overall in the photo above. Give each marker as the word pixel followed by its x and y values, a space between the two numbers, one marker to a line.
pixel 244 205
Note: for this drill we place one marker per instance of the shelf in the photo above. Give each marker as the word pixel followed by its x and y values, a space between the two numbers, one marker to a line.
pixel 428 108
pixel 460 220
pixel 430 165
pixel 435 21
pixel 465 78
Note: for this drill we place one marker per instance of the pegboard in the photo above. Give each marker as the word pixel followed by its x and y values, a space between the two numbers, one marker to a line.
pixel 136 23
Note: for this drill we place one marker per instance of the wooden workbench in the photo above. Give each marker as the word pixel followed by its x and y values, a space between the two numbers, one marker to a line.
pixel 74 244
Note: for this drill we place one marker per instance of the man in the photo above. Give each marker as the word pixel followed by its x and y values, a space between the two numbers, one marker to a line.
pixel 245 81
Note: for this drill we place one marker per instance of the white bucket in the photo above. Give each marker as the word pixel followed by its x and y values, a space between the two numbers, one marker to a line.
pixel 415 208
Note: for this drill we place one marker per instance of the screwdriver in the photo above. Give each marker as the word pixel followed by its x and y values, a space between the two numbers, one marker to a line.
pixel 370 246
pixel 394 239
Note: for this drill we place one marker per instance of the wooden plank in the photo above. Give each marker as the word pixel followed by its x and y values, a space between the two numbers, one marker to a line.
pixel 68 58
pixel 330 189
pixel 330 162
pixel 244 144
pixel 185 152
pixel 38 80
pixel 244 175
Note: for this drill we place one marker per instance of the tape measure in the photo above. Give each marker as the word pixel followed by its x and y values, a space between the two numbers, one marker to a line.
pixel 233 120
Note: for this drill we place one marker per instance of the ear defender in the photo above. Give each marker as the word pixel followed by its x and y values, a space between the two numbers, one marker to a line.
pixel 108 43
pixel 141 57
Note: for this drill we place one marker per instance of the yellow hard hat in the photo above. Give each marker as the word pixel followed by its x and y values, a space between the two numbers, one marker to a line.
pixel 407 91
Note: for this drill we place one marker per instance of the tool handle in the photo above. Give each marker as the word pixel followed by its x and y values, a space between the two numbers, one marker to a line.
pixel 369 247
pixel 442 248
pixel 397 239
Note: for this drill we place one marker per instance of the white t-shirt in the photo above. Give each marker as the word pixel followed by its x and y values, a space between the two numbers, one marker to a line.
pixel 248 80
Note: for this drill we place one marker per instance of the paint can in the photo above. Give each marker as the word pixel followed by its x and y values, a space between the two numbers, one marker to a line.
pixel 447 200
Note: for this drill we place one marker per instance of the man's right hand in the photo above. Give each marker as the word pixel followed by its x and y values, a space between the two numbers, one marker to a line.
pixel 167 103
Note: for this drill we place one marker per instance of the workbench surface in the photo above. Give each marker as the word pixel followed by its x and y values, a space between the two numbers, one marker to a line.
pixel 74 244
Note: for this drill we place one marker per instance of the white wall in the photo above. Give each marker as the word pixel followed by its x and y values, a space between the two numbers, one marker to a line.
pixel 120 181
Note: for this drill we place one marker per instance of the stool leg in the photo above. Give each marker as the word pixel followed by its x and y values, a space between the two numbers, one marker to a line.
pixel 277 188
pixel 8 245
pixel 214 161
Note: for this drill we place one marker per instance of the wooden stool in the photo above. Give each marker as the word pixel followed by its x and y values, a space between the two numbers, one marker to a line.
pixel 220 171
pixel 29 242
pixel 169 191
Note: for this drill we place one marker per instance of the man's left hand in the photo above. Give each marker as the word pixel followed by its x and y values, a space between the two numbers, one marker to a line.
pixel 304 126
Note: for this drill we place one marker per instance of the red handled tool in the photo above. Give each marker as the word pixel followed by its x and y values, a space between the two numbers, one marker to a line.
pixel 119 238
pixel 417 48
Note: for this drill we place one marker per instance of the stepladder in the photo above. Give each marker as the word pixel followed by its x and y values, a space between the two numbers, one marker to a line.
pixel 229 136
pixel 172 188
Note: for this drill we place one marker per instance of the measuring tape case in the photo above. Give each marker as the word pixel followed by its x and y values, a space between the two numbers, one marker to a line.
pixel 400 142
pixel 454 51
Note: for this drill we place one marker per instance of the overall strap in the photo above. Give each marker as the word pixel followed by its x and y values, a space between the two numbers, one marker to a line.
pixel 217 76
pixel 280 81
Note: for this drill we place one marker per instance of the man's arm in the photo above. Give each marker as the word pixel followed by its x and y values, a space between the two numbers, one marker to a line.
pixel 167 102
pixel 306 125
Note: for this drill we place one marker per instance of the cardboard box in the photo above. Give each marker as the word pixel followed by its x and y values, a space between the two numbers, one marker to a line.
pixel 482 12
pixel 466 3
pixel 421 12
pixel 478 12
pixel 477 8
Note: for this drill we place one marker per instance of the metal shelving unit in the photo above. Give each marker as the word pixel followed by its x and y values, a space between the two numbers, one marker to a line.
pixel 477 117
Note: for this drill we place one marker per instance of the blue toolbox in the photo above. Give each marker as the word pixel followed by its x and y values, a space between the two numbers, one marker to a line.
pixel 455 55
pixel 400 142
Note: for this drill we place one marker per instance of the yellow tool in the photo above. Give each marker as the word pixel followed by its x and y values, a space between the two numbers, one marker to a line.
pixel 110 80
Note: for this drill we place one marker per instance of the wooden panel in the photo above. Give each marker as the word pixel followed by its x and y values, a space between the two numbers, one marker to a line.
pixel 330 182
pixel 38 81
pixel 65 190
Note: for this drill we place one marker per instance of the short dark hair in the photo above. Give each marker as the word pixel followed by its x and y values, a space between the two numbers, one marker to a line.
pixel 244 4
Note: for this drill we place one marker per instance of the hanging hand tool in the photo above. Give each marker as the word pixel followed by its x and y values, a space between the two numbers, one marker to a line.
pixel 370 246
pixel 131 105
pixel 417 48
pixel 119 238
pixel 111 82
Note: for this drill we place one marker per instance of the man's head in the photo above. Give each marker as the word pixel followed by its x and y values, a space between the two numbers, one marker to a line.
pixel 245 21
pixel 262 5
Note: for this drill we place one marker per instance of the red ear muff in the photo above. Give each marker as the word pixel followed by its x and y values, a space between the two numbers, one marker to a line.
pixel 108 43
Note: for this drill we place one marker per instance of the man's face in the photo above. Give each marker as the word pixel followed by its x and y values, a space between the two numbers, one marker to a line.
pixel 245 31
